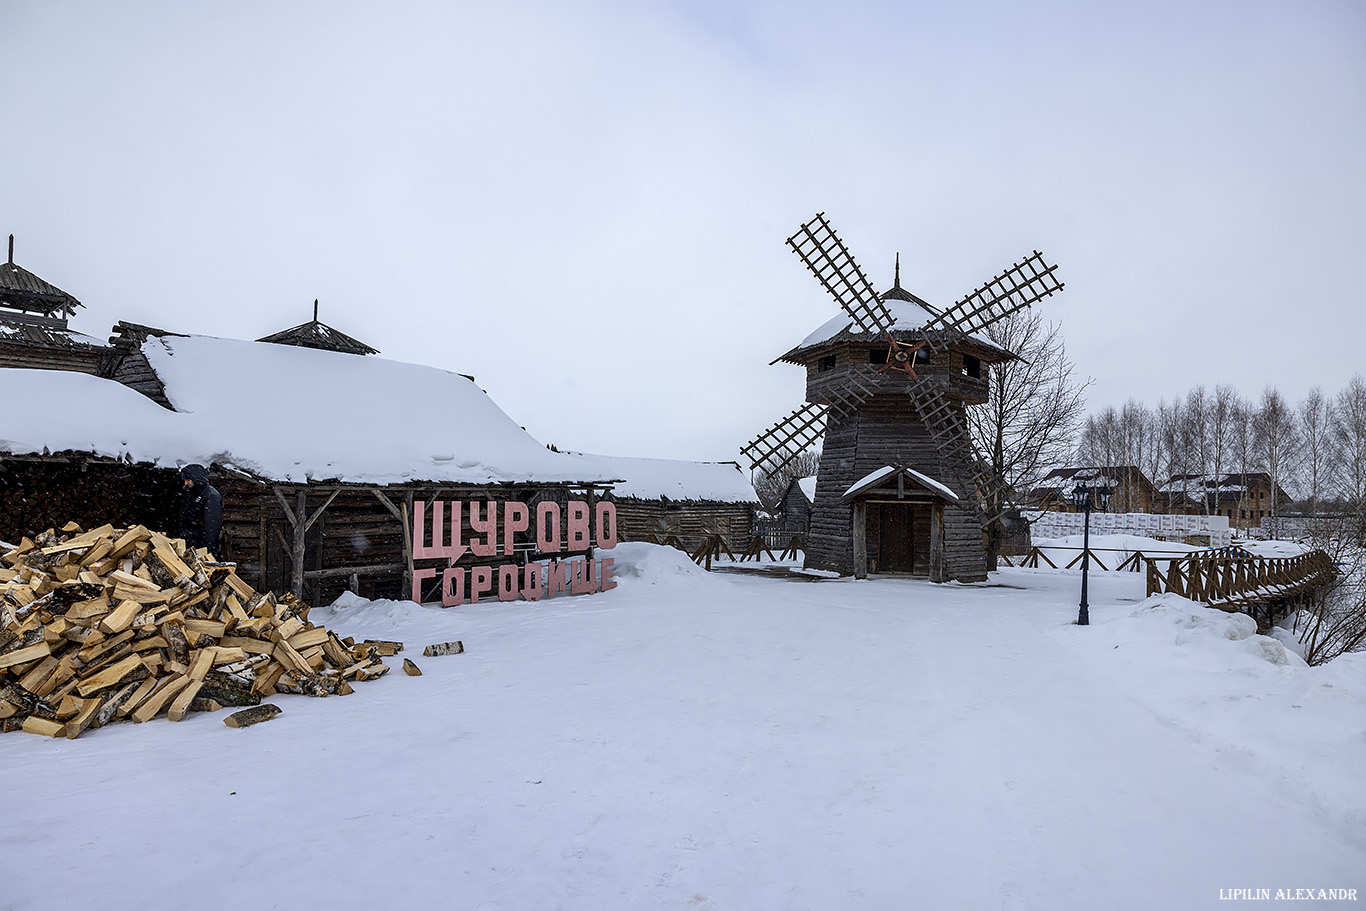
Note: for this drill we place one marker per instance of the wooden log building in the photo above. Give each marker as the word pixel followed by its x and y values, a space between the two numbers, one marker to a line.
pixel 278 428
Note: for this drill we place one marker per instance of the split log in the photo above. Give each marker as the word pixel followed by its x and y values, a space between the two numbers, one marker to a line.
pixel 248 717
pixel 444 648
pixel 412 670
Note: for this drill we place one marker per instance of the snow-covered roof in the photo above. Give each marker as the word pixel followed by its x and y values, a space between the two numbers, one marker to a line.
pixel 808 486
pixel 18 330
pixel 874 478
pixel 650 479
pixel 292 414
pixel 908 316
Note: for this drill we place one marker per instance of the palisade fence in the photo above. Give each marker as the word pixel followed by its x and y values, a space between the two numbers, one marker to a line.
pixel 1211 531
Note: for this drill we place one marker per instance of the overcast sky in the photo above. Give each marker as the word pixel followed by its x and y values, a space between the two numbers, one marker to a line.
pixel 584 204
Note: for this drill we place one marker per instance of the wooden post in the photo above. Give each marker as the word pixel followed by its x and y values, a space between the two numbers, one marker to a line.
pixel 937 542
pixel 860 521
pixel 300 529
pixel 262 565
pixel 407 548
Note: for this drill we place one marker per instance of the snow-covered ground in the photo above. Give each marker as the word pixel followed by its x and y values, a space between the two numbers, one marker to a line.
pixel 733 741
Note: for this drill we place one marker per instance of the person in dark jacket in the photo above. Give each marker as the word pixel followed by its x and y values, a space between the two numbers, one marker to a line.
pixel 201 511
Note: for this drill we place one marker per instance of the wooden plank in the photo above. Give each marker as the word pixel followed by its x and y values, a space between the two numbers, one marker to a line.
pixel 43 727
pixel 308 638
pixel 215 628
pixel 25 655
pixel 181 704
pixel 111 676
pixel 89 708
pixel 120 618
pixel 158 700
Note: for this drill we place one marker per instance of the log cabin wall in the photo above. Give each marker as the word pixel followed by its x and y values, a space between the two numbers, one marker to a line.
pixel 42 492
pixel 691 520
pixel 356 542
pixel 794 513
pixel 73 358
pixel 133 370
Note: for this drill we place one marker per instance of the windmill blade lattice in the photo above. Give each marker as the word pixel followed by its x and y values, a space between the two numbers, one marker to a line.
pixel 788 438
pixel 950 434
pixel 1014 289
pixel 821 249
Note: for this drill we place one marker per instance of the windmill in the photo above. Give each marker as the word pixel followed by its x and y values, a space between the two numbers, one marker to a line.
pixel 899 481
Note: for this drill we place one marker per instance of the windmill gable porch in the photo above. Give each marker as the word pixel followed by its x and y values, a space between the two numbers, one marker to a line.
pixel 897 523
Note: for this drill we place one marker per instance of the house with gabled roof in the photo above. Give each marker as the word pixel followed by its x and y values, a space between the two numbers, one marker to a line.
pixel 1245 498
pixel 1131 490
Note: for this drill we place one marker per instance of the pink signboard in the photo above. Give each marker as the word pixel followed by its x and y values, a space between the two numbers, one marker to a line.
pixel 439 534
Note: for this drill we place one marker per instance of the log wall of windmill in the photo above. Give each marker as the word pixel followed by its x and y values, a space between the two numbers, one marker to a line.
pixel 887 431
pixel 852 361
pixel 691 520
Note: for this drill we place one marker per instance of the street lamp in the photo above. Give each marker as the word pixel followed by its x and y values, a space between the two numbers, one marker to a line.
pixel 1081 498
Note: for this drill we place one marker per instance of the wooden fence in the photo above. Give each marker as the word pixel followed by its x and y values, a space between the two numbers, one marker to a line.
pixel 711 547
pixel 1133 563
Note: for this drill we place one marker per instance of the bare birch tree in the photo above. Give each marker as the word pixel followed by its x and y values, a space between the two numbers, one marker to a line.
pixel 1349 441
pixel 1031 416
pixel 1315 414
pixel 1274 428
pixel 771 485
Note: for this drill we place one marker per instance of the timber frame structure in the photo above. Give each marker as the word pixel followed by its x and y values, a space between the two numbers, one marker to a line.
pixel 356 537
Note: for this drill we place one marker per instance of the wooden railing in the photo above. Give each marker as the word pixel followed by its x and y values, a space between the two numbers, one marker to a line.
pixel 1133 563
pixel 1231 578
pixel 1267 588
pixel 712 546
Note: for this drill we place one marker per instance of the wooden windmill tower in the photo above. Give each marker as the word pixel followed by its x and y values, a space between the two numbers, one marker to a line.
pixel 887 385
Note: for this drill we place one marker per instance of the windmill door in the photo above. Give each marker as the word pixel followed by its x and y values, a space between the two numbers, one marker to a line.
pixel 896 542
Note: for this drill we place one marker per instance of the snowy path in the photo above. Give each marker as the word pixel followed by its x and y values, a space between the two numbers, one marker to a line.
pixel 708 742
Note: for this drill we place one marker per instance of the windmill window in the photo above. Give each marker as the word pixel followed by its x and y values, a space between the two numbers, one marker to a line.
pixel 826 363
pixel 972 366
pixel 922 356
pixel 877 355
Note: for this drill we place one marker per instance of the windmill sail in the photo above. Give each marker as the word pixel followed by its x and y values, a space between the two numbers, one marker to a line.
pixel 821 249
pixel 950 434
pixel 1014 289
pixel 787 439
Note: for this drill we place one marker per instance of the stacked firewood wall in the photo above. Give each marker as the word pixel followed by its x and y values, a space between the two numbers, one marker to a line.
pixel 41 493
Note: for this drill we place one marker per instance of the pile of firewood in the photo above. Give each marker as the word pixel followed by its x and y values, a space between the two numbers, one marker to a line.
pixel 109 624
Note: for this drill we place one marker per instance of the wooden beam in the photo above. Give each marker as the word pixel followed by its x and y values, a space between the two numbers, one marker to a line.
pixel 300 529
pixel 317 514
pixel 937 573
pixel 860 523
pixel 371 570
pixel 388 504
pixel 289 513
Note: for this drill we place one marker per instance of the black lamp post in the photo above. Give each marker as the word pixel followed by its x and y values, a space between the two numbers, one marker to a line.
pixel 1081 498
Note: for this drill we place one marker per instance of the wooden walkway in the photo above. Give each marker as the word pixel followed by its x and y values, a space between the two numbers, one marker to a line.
pixel 1266 588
